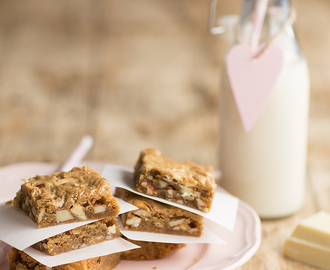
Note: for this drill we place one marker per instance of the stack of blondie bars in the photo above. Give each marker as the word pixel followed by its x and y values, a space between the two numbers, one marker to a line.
pixel 66 197
pixel 185 183
pixel 82 194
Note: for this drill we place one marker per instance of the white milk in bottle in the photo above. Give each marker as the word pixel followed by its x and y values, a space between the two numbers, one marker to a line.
pixel 266 166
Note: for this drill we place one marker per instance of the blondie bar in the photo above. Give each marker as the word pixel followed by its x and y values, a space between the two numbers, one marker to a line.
pixel 18 260
pixel 185 183
pixel 153 216
pixel 149 250
pixel 87 235
pixel 65 197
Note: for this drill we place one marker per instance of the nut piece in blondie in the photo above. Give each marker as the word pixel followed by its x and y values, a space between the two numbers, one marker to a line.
pixel 65 197
pixel 185 183
pixel 83 236
pixel 149 250
pixel 18 260
pixel 153 216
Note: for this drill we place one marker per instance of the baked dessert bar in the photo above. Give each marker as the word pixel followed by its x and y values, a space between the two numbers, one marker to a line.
pixel 185 183
pixel 87 235
pixel 65 197
pixel 149 250
pixel 153 216
pixel 18 260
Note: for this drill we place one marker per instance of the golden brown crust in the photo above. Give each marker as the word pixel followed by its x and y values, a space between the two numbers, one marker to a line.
pixel 182 182
pixel 187 172
pixel 19 260
pixel 149 250
pixel 65 197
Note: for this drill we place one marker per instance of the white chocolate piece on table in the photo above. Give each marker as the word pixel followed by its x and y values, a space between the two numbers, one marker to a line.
pixel 310 241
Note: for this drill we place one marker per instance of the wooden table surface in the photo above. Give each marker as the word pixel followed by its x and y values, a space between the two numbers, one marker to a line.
pixel 136 74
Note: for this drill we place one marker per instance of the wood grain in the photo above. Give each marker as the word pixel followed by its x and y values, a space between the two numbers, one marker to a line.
pixel 136 74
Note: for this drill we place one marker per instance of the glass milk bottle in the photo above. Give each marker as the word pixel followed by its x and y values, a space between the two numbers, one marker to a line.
pixel 266 166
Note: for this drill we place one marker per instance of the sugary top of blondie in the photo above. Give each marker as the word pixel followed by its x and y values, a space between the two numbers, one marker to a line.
pixel 185 172
pixel 63 189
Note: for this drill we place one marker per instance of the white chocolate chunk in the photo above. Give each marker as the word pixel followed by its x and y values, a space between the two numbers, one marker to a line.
pixel 189 193
pixel 158 225
pixel 78 210
pixel 183 227
pixel 307 252
pixel 112 229
pixel 149 191
pixel 41 214
pixel 133 221
pixel 310 242
pixel 178 178
pixel 63 215
pixel 58 203
pixel 99 208
pixel 200 203
pixel 176 222
pixel 34 212
pixel 162 184
pixel 170 193
pixel 315 228
pixel 142 213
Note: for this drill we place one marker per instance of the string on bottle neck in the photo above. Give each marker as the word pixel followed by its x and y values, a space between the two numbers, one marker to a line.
pixel 289 22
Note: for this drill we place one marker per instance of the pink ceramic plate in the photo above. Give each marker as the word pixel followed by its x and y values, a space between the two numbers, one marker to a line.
pixel 242 243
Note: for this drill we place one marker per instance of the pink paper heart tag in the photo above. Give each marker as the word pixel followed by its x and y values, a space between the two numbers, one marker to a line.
pixel 252 79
